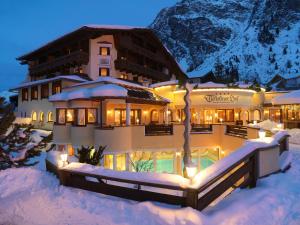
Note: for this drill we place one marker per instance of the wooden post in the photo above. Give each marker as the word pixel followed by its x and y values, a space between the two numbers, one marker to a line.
pixel 63 177
pixel 191 198
pixel 253 175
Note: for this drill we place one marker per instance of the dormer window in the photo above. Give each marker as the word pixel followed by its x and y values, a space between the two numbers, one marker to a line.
pixel 25 94
pixel 104 51
pixel 56 87
pixel 34 93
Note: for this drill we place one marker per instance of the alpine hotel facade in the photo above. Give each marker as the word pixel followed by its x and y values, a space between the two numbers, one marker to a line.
pixel 119 87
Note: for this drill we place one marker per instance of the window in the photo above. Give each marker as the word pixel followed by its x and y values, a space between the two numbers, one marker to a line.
pixel 41 116
pixel 227 115
pixel 25 94
pixel 34 116
pixel 61 116
pixel 256 115
pixel 45 91
pixel 109 162
pixel 92 115
pixel 124 76
pixel 103 72
pixel 34 93
pixel 56 87
pixel 165 162
pixel 120 162
pixel 50 117
pixel 81 117
pixel 135 116
pixel 70 115
pixel 104 51
pixel 154 116
pixel 275 115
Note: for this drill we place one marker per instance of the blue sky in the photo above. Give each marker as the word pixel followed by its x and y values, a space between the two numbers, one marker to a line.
pixel 26 25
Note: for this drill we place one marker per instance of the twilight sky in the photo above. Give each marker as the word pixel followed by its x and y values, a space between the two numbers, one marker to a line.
pixel 26 25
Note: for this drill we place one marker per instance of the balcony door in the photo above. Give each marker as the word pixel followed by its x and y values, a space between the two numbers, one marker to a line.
pixel 120 117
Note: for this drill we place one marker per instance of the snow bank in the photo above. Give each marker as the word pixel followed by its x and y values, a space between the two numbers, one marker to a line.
pixel 160 178
pixel 34 197
pixel 294 136
pixel 266 125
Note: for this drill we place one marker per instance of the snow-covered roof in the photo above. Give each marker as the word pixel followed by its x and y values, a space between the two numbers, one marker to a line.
pixel 106 90
pixel 111 80
pixel 165 83
pixel 37 82
pixel 289 98
pixel 210 84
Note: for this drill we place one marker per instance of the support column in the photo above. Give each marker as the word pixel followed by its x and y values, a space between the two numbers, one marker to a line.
pixel 100 117
pixel 166 114
pixel 128 108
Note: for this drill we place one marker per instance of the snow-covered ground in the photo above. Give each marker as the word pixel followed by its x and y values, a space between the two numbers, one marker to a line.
pixel 33 196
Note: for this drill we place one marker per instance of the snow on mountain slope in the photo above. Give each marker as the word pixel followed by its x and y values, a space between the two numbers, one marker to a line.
pixel 258 38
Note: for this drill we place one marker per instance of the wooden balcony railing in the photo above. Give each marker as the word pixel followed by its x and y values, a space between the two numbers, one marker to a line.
pixel 241 172
pixel 201 128
pixel 76 58
pixel 125 65
pixel 158 129
pixel 240 131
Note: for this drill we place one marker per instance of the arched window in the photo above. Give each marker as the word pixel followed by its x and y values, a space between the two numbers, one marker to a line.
pixel 154 116
pixel 50 117
pixel 256 115
pixel 34 116
pixel 42 116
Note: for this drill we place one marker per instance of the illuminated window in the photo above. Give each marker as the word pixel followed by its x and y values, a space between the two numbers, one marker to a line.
pixel 34 93
pixel 50 117
pixel 61 116
pixel 120 162
pixel 108 161
pixel 256 115
pixel 34 116
pixel 124 76
pixel 227 115
pixel 70 115
pixel 154 116
pixel 45 91
pixel 81 117
pixel 92 115
pixel 142 161
pixel 41 116
pixel 103 72
pixel 104 51
pixel 165 162
pixel 25 94
pixel 56 87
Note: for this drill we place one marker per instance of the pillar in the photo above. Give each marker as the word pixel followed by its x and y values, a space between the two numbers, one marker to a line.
pixel 128 108
pixel 166 114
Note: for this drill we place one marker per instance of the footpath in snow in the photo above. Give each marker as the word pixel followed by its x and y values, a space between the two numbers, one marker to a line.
pixel 32 196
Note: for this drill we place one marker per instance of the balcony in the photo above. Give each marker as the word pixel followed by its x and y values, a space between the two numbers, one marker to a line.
pixel 127 66
pixel 156 130
pixel 74 58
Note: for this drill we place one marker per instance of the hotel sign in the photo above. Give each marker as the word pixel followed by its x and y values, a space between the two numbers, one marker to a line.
pixel 221 98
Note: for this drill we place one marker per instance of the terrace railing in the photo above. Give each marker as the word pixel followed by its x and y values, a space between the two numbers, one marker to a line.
pixel 158 129
pixel 239 131
pixel 239 170
pixel 201 128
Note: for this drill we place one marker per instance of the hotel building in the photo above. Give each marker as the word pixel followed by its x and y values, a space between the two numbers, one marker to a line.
pixel 119 87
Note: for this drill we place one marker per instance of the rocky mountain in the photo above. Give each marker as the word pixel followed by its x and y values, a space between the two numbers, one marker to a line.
pixel 251 39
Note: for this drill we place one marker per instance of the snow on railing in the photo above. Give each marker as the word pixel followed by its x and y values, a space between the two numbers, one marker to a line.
pixel 222 165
